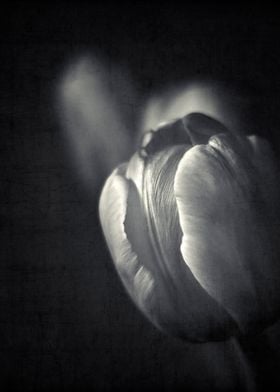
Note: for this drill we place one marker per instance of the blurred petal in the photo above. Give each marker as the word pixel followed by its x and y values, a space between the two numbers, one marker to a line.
pixel 213 99
pixel 97 104
pixel 226 242
pixel 192 129
pixel 219 366
pixel 265 161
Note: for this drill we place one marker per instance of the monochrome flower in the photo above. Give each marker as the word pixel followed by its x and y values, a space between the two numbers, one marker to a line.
pixel 192 224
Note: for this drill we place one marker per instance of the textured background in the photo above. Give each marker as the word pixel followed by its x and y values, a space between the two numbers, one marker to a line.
pixel 65 321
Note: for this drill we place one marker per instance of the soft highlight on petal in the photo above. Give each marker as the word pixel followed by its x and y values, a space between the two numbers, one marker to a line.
pixel 112 208
pixel 225 241
pixel 186 310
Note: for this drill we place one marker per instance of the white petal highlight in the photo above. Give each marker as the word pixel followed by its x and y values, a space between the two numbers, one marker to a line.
pixel 224 243
pixel 134 172
pixel 112 208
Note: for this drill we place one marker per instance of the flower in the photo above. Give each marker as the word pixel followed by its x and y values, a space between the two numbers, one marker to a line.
pixel 192 224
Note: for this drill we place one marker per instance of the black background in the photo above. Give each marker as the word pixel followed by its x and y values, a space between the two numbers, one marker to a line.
pixel 65 321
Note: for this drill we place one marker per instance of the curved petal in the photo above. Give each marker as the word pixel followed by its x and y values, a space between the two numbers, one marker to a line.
pixel 135 171
pixel 112 210
pixel 264 160
pixel 225 245
pixel 189 311
pixel 201 127
pixel 167 294
pixel 165 135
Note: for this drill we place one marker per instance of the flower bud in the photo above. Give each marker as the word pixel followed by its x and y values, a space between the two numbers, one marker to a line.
pixel 192 223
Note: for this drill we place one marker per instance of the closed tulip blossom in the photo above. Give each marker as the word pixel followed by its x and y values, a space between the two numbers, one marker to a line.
pixel 192 224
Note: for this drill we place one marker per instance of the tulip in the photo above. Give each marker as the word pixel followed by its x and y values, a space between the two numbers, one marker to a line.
pixel 192 224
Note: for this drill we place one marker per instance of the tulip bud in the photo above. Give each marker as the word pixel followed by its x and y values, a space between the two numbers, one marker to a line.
pixel 192 223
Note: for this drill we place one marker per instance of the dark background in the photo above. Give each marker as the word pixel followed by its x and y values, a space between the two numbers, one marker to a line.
pixel 66 322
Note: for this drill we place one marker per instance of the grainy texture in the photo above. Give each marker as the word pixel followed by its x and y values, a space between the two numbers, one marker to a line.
pixel 65 321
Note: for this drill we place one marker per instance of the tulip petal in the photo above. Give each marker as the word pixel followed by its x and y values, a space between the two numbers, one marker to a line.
pixel 184 308
pixel 176 304
pixel 167 134
pixel 224 243
pixel 135 171
pixel 112 209
pixel 201 127
pixel 265 161
pixel 194 128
